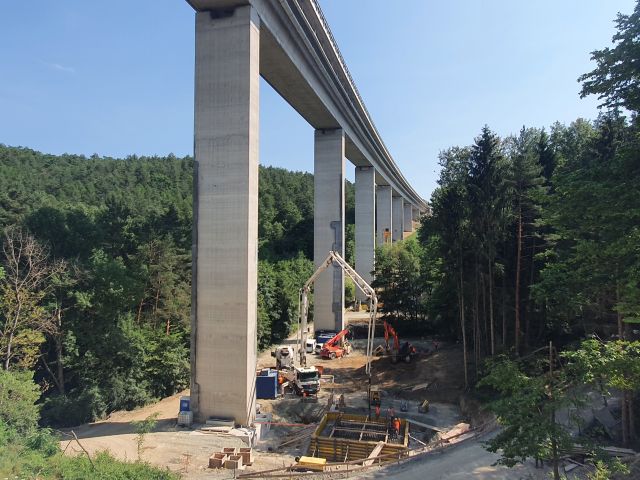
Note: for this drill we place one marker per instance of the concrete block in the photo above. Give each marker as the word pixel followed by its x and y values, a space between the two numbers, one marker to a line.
pixel 217 460
pixel 234 462
pixel 247 455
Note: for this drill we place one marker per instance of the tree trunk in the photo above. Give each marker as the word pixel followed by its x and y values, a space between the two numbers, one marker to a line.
pixel 155 305
pixel 168 330
pixel 464 330
pixel 484 313
pixel 59 351
pixel 632 425
pixel 504 312
pixel 8 356
pixel 140 310
pixel 625 419
pixel 476 322
pixel 12 331
pixel 59 364
pixel 517 286
pixel 618 314
pixel 554 440
pixel 493 337
pixel 527 328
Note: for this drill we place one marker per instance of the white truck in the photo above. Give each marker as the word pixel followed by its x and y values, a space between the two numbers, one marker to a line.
pixel 306 381
pixel 310 347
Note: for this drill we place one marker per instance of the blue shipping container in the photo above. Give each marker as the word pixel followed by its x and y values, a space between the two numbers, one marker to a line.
pixel 267 384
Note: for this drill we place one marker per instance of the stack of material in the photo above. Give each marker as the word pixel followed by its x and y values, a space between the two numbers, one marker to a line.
pixel 455 432
pixel 298 436
pixel 231 458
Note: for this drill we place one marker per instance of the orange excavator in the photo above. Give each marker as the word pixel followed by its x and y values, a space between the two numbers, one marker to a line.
pixel 333 349
pixel 405 352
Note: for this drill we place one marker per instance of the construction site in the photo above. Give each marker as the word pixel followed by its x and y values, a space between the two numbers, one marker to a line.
pixel 327 403
pixel 356 402
pixel 333 431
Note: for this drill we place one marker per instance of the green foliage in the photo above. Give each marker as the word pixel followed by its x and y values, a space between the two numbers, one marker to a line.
pixel 143 427
pixel 118 325
pixel 604 470
pixel 616 78
pixel 39 456
pixel 278 286
pixel 615 364
pixel 526 409
pixel 399 282
pixel 18 397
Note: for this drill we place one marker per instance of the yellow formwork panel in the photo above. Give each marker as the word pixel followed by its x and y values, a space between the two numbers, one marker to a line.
pixel 342 449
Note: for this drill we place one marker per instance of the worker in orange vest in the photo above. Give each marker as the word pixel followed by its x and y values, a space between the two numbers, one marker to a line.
pixel 396 426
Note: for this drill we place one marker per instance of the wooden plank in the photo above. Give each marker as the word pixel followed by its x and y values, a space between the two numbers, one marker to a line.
pixel 425 425
pixel 374 453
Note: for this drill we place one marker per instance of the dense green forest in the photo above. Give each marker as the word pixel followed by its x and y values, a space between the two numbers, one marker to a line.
pixel 104 316
pixel 530 258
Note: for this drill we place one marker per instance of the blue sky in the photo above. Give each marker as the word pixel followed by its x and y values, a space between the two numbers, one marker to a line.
pixel 116 78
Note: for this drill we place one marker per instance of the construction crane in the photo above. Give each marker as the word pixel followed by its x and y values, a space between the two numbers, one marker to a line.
pixel 365 288
pixel 405 352
pixel 331 349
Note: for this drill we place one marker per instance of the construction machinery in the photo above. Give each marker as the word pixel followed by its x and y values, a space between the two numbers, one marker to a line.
pixel 337 347
pixel 306 381
pixel 365 288
pixel 322 337
pixel 404 352
pixel 284 357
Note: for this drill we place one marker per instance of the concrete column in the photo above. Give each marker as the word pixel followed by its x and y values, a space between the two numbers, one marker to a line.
pixel 383 214
pixel 415 214
pixel 224 305
pixel 398 218
pixel 365 224
pixel 328 227
pixel 408 217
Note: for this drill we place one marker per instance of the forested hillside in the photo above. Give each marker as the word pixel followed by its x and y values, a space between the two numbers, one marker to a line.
pixel 530 259
pixel 105 320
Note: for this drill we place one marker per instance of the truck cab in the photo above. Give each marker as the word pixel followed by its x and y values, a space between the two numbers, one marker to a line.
pixel 307 381
pixel 323 336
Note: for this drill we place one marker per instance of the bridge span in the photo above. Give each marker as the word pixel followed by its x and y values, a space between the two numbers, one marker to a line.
pixel 289 44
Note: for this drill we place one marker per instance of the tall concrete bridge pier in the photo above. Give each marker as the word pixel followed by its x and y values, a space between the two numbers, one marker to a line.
pixel 290 45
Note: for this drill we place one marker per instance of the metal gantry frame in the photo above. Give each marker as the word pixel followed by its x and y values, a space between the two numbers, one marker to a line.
pixel 364 287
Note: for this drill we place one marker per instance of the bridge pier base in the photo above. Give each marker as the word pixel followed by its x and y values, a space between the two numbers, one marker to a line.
pixel 328 227
pixel 365 235
pixel 225 263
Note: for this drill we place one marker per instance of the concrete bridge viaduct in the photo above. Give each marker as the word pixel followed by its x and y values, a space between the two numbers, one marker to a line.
pixel 289 43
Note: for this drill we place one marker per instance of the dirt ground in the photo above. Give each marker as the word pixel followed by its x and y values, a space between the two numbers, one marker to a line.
pixel 434 375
